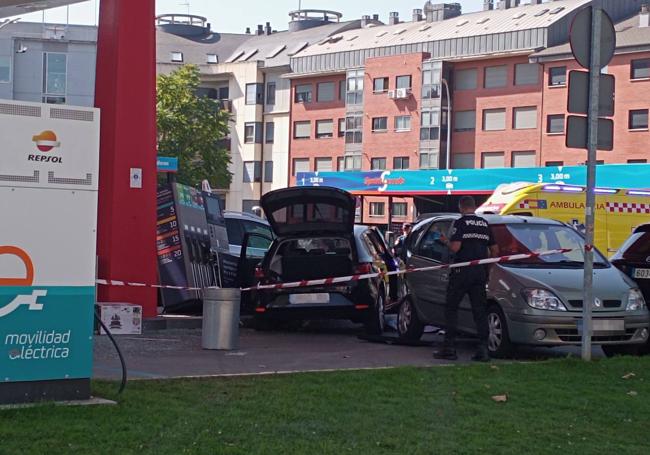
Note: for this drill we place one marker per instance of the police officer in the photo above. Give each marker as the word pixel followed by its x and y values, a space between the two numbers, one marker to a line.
pixel 470 239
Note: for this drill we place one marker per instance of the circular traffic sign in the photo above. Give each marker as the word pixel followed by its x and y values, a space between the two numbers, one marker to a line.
pixel 581 38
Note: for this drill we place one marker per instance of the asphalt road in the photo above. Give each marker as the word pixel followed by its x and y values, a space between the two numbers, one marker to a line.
pixel 314 347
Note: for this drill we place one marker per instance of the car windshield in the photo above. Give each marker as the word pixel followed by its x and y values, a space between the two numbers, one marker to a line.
pixel 237 228
pixel 527 238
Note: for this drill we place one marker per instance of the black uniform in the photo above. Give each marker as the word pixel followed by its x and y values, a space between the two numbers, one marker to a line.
pixel 476 237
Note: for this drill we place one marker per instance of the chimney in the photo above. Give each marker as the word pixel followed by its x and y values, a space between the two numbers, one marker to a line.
pixel 260 30
pixel 504 4
pixel 488 5
pixel 268 30
pixel 248 30
pixel 535 2
pixel 441 11
pixel 365 20
pixel 517 2
pixel 417 15
pixel 393 18
pixel 375 17
pixel 644 17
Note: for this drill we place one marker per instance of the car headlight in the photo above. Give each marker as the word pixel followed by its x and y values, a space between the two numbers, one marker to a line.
pixel 635 301
pixel 542 299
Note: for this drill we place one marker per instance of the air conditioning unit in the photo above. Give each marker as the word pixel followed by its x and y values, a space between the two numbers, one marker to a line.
pixel 392 94
pixel 401 93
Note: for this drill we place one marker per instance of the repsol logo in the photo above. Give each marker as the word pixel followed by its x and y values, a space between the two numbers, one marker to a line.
pixel 45 158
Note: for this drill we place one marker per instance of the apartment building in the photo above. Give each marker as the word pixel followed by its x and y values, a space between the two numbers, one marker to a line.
pixel 248 73
pixel 505 71
pixel 48 63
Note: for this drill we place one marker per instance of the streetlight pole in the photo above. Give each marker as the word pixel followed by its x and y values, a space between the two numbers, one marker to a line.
pixel 448 157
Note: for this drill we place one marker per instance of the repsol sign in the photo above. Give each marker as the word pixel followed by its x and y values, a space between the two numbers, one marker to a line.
pixel 45 158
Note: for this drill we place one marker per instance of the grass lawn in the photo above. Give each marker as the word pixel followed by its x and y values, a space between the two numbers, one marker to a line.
pixel 553 407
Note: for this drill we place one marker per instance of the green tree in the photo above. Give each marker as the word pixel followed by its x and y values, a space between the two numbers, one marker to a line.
pixel 192 128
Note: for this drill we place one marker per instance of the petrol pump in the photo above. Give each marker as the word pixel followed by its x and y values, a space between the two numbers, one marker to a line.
pixel 48 201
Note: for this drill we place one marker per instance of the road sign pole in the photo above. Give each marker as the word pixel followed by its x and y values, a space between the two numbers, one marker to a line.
pixel 592 144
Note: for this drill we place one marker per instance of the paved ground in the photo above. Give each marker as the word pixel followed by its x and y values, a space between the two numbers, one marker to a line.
pixel 317 346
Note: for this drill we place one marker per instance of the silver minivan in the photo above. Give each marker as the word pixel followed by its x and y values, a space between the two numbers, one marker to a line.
pixel 537 301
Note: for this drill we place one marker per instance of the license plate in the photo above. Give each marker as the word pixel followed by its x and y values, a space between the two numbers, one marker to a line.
pixel 309 298
pixel 642 273
pixel 604 325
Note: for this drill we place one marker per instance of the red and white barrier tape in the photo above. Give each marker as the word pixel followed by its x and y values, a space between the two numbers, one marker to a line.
pixel 350 278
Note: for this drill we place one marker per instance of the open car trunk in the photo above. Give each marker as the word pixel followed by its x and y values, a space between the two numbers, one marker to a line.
pixel 311 259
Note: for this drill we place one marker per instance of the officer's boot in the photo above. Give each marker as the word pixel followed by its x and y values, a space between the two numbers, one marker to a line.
pixel 482 354
pixel 446 352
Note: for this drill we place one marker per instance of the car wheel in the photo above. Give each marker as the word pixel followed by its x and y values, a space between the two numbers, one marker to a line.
pixel 375 322
pixel 499 343
pixel 612 350
pixel 409 326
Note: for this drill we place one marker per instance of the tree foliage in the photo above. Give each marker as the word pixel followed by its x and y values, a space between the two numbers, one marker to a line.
pixel 192 128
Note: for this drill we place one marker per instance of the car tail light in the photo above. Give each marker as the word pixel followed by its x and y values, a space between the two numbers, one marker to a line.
pixel 363 268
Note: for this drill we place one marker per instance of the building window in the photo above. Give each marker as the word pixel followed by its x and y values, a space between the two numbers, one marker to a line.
pixel 640 69
pixel 380 85
pixel 324 128
pixel 429 160
pixel 269 132
pixel 300 165
pixel 323 164
pixel 557 76
pixel 54 99
pixel 399 209
pixel 354 93
pixel 430 125
pixel 252 171
pixel 341 127
pixel 213 59
pixel 378 164
pixel 462 161
pixel 5 68
pixel 401 162
pixel 176 57
pixel 639 119
pixel 302 130
pixel 342 90
pixel 496 76
pixel 303 93
pixel 431 80
pixel 326 92
pixel 524 118
pixel 492 160
pixel 250 133
pixel 352 163
pixel 465 121
pixel 527 74
pixel 254 94
pixel 379 124
pixel 377 208
pixel 524 159
pixel 494 119
pixel 340 163
pixel 270 94
pixel 466 79
pixel 268 171
pixel 637 161
pixel 403 82
pixel 354 129
pixel 555 124
pixel 554 163
pixel 403 123
pixel 55 70
pixel 249 204
pixel 224 93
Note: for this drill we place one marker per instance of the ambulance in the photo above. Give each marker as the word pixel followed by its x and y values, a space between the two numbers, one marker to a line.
pixel 618 211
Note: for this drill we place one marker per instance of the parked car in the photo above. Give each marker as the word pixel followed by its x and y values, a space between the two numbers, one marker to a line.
pixel 315 238
pixel 537 301
pixel 238 224
pixel 633 258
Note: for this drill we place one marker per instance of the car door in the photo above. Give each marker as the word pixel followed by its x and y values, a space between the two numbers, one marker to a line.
pixel 432 285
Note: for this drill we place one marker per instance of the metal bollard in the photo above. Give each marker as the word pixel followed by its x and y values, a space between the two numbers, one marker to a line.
pixel 220 318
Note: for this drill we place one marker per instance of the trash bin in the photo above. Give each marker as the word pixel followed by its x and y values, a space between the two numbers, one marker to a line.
pixel 220 318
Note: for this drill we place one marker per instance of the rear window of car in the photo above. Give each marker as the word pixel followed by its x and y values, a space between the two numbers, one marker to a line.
pixel 237 228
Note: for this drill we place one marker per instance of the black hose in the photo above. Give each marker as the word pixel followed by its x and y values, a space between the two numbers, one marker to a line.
pixel 117 348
